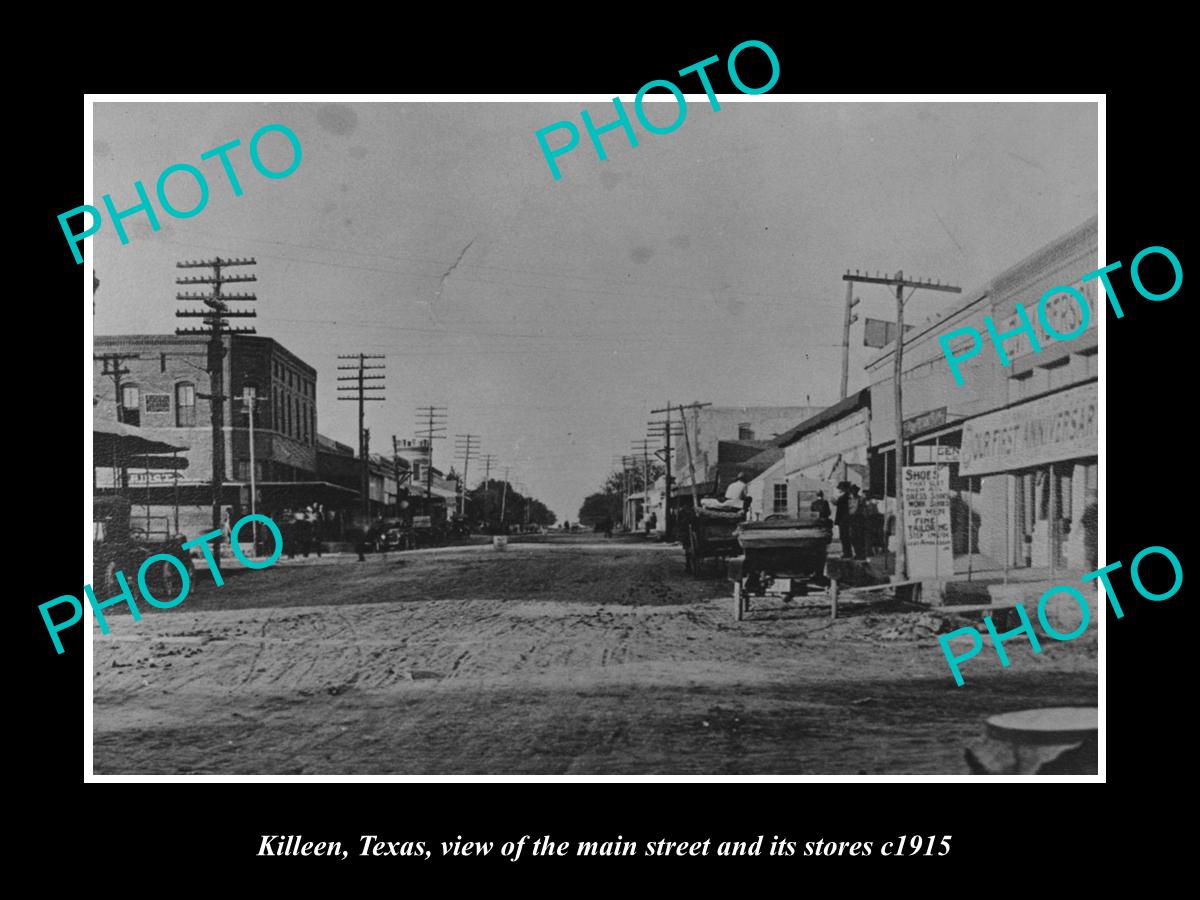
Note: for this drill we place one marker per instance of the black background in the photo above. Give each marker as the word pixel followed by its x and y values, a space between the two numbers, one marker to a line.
pixel 211 835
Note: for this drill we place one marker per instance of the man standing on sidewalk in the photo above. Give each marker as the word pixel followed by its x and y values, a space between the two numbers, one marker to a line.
pixel 858 523
pixel 841 518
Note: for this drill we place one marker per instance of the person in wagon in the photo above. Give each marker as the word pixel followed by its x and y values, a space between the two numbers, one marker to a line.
pixel 735 494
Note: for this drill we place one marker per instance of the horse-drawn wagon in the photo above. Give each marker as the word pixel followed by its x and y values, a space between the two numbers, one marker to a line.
pixel 708 533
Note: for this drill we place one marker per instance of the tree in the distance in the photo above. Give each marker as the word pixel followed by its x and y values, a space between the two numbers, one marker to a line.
pixel 606 503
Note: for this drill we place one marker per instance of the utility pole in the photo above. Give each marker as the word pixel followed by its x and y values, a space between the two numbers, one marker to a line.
pixel 850 319
pixel 112 367
pixel 688 444
pixel 504 497
pixel 662 429
pixel 216 327
pixel 644 446
pixel 464 445
pixel 631 466
pixel 436 423
pixel 899 282
pixel 622 461
pixel 487 484
pixel 396 470
pixel 358 390
pixel 249 398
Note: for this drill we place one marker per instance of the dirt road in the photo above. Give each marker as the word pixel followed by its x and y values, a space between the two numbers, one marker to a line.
pixel 545 659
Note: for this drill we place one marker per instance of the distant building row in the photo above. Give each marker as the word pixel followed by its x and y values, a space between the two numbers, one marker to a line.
pixel 162 388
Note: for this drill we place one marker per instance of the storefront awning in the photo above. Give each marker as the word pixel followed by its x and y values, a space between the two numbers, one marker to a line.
pixel 117 443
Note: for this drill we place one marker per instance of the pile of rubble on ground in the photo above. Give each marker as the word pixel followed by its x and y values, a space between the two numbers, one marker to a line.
pixel 915 626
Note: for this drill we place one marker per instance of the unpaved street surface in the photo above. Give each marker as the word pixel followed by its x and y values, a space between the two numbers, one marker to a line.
pixel 575 658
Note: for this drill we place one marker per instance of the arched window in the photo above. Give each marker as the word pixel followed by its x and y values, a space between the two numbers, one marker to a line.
pixel 131 405
pixel 185 404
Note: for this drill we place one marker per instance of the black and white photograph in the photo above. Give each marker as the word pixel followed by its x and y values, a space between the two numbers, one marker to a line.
pixel 576 438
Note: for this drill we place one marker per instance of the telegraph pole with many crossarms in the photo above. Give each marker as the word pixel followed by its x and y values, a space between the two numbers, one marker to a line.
pixel 643 447
pixel 436 416
pixel 358 390
pixel 663 429
pixel 464 446
pixel 687 443
pixel 396 471
pixel 216 327
pixel 112 367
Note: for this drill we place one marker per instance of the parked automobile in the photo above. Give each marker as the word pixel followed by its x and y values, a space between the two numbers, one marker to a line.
pixel 121 543
pixel 389 534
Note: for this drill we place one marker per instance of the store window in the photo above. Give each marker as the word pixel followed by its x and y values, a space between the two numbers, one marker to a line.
pixel 185 404
pixel 1056 514
pixel 131 405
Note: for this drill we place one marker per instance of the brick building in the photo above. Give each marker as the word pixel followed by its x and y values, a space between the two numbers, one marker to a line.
pixel 164 391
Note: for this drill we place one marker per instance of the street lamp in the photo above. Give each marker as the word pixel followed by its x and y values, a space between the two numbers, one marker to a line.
pixel 249 398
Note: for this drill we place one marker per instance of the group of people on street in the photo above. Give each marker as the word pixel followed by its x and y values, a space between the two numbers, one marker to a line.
pixel 303 530
pixel 857 517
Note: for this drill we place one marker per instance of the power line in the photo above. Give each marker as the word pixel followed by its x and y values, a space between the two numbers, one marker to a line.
pixel 783 299
pixel 587 337
pixel 573 275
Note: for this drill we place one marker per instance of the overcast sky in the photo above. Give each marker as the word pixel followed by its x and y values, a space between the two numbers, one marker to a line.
pixel 701 265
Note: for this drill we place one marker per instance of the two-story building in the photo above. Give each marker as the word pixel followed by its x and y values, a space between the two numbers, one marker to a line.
pixel 162 386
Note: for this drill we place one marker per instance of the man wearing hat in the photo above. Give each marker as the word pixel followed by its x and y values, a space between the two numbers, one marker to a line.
pixel 858 522
pixel 841 518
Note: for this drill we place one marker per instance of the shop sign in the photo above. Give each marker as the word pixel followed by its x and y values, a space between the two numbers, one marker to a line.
pixel 927 521
pixel 935 418
pixel 1050 429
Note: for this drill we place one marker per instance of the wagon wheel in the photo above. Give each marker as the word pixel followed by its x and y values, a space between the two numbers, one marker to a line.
pixel 169 581
pixel 739 605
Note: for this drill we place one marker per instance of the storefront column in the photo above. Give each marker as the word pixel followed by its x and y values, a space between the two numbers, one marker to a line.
pixel 1009 517
pixel 1053 519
